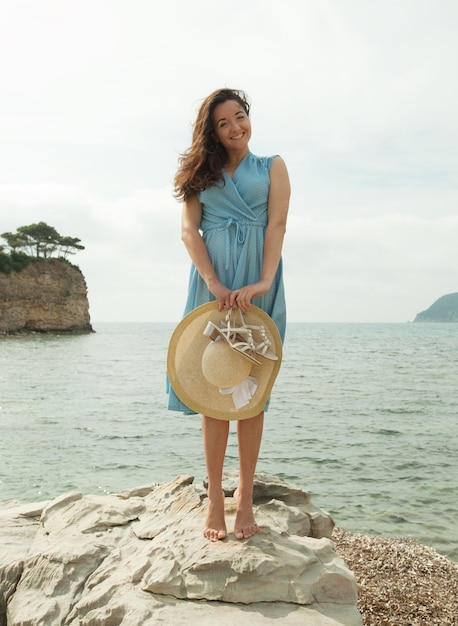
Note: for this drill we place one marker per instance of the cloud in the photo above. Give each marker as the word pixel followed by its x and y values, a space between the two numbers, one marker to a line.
pixel 381 269
pixel 134 261
pixel 376 268
pixel 360 98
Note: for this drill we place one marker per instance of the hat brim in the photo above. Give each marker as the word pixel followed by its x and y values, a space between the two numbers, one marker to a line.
pixel 184 359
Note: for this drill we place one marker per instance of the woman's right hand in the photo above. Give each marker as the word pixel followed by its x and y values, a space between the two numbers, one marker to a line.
pixel 222 294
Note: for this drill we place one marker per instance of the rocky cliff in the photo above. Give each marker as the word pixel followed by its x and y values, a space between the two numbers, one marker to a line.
pixel 139 557
pixel 49 295
pixel 445 309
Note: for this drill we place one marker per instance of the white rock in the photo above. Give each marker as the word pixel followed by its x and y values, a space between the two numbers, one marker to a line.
pixel 140 558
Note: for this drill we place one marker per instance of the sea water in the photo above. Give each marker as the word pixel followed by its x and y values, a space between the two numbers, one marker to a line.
pixel 365 416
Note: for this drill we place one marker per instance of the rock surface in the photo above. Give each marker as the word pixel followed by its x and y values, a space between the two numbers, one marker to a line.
pixel 139 557
pixel 47 296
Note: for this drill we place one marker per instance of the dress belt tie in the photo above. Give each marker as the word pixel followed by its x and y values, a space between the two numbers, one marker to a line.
pixel 240 234
pixel 241 229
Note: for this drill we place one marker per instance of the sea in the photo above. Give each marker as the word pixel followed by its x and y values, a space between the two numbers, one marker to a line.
pixel 365 416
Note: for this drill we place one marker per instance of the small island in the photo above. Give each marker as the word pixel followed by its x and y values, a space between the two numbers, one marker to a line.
pixel 445 309
pixel 40 290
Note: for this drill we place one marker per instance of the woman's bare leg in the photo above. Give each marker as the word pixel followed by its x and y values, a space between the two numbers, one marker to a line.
pixel 249 433
pixel 215 433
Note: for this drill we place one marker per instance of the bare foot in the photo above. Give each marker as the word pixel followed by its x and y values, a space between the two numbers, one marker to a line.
pixel 245 525
pixel 215 524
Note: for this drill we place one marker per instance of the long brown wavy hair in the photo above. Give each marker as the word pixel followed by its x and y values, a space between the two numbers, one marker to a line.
pixel 201 165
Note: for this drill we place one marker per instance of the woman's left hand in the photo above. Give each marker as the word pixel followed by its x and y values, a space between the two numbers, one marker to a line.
pixel 242 297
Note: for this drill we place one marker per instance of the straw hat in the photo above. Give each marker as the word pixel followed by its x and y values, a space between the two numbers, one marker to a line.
pixel 201 369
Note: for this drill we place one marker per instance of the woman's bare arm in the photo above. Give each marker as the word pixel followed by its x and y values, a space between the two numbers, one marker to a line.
pixel 197 250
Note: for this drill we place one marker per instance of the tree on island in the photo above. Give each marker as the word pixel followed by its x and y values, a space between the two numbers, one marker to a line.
pixel 42 241
pixel 37 241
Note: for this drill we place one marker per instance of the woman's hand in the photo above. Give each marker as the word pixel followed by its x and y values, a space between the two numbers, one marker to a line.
pixel 221 293
pixel 242 297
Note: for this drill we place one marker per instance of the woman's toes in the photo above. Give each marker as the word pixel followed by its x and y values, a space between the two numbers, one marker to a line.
pixel 245 531
pixel 214 535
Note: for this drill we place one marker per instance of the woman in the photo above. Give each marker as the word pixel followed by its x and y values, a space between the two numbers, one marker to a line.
pixel 235 206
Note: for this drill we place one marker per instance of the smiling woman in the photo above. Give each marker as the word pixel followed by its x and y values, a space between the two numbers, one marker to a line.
pixel 202 164
pixel 233 131
pixel 233 224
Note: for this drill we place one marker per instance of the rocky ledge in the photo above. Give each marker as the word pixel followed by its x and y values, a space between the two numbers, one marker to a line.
pixel 49 295
pixel 139 557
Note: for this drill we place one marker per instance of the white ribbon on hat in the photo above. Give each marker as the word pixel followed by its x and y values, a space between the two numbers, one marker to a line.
pixel 242 393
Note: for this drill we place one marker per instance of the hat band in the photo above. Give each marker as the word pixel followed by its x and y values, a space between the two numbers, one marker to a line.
pixel 242 393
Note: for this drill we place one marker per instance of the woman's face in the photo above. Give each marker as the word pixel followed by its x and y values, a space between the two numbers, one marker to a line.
pixel 232 126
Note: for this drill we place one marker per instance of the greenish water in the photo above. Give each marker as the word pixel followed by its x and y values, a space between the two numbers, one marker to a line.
pixel 363 415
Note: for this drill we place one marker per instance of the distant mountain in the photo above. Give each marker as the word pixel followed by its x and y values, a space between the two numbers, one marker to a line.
pixel 443 310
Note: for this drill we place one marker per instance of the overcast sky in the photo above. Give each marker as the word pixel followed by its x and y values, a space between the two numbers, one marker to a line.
pixel 97 99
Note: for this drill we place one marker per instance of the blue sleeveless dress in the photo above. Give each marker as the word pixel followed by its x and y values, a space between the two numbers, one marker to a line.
pixel 234 220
